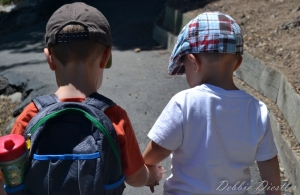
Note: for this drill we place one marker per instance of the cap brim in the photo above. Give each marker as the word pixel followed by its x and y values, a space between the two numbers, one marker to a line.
pixel 109 62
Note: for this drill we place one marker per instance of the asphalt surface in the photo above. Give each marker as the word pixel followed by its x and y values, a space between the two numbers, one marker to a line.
pixel 136 81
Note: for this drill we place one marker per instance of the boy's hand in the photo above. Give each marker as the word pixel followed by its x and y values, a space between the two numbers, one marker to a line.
pixel 156 173
pixel 151 186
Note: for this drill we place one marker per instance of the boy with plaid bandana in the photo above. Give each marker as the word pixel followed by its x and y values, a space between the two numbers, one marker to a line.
pixel 213 131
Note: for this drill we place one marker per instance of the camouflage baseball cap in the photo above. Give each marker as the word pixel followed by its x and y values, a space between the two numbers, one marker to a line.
pixel 90 18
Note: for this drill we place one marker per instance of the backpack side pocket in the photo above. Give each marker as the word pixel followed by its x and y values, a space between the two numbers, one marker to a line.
pixel 66 174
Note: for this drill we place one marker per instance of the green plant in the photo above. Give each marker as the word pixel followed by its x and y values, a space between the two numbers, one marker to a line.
pixel 5 2
pixel 8 2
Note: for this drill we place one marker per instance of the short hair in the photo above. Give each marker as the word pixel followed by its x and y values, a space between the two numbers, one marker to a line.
pixel 213 57
pixel 78 51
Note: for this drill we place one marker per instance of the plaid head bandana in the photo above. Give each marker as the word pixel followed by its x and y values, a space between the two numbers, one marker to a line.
pixel 208 32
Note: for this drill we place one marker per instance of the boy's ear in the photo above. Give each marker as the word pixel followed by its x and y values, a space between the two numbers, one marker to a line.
pixel 238 63
pixel 50 58
pixel 196 62
pixel 105 57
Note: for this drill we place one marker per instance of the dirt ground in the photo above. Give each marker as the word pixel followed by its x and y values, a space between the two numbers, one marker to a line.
pixel 6 105
pixel 6 110
pixel 271 30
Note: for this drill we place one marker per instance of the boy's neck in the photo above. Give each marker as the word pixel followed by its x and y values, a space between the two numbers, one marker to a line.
pixel 220 73
pixel 81 81
pixel 224 81
pixel 71 91
pixel 223 85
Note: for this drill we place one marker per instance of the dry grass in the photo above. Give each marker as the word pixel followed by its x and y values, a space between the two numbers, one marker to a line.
pixel 6 110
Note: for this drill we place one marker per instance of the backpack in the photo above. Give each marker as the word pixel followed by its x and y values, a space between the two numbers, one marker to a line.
pixel 74 149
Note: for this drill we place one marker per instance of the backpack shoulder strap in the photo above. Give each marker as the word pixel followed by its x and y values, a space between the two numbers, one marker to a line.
pixel 45 100
pixel 99 101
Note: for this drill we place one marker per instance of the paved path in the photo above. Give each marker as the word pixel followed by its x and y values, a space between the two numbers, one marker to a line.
pixel 143 89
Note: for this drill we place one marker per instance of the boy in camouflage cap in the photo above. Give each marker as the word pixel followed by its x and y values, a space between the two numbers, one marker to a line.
pixel 78 49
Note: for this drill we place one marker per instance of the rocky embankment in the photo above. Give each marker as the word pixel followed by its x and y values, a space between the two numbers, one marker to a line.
pixel 10 98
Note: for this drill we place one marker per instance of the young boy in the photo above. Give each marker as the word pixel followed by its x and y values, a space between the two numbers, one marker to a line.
pixel 213 131
pixel 79 45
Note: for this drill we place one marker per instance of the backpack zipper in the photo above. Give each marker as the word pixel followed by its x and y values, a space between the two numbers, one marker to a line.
pixel 28 141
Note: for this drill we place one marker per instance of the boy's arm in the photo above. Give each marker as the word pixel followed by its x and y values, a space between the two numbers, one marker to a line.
pixel 270 175
pixel 23 119
pixel 139 178
pixel 154 153
pixel 146 175
pixel 136 172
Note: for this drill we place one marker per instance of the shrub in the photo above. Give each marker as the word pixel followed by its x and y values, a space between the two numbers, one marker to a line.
pixel 5 2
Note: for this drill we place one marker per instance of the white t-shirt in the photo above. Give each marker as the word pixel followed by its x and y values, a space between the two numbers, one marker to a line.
pixel 215 136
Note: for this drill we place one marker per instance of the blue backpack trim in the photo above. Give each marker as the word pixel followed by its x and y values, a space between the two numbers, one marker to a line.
pixel 67 156
pixel 108 182
pixel 115 185
pixel 15 189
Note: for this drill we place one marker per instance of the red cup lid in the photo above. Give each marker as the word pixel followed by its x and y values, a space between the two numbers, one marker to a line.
pixel 11 147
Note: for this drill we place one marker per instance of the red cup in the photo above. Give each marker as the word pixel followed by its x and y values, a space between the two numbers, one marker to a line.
pixel 13 160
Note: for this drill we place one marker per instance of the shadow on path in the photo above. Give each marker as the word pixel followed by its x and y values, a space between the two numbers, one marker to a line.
pixel 16 65
pixel 188 5
pixel 131 23
pixel 29 40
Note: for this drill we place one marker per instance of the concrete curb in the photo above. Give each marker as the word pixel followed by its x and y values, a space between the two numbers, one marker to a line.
pixel 264 79
pixel 288 158
pixel 273 85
